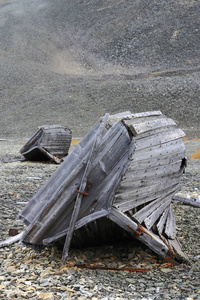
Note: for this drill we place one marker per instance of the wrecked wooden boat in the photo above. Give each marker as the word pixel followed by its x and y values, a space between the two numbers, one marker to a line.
pixel 49 142
pixel 119 181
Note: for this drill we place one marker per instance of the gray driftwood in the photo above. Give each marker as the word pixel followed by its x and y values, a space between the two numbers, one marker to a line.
pixel 184 200
pixel 11 240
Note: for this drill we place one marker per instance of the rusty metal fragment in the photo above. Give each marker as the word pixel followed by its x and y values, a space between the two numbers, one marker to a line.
pixel 13 232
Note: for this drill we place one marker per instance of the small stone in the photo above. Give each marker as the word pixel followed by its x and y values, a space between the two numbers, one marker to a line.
pixel 27 282
pixel 131 280
pixel 159 284
pixel 46 296
pixel 166 270
pixel 151 289
pixel 11 268
pixel 10 255
pixel 21 286
pixel 193 296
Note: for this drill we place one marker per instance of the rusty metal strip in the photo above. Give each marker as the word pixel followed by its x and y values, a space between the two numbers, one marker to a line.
pixel 82 193
pixel 167 265
pixel 140 230
pixel 171 260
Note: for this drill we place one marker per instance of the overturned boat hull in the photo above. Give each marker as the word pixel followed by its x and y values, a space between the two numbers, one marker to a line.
pixel 123 174
pixel 49 142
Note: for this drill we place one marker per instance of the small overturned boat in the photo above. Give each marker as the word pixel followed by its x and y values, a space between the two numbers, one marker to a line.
pixel 119 181
pixel 49 142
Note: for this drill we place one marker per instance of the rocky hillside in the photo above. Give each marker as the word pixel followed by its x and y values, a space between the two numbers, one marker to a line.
pixel 72 61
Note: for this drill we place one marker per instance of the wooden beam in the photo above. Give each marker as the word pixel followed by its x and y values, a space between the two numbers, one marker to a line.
pixel 79 197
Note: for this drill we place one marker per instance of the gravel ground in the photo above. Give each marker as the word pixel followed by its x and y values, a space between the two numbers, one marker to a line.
pixel 26 274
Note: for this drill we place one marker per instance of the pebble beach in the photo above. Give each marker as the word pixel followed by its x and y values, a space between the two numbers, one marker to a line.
pixel 125 270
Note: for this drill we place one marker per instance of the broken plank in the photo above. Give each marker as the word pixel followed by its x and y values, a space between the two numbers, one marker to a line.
pixel 175 245
pixel 149 125
pixel 153 217
pixel 186 201
pixel 125 202
pixel 170 227
pixel 147 237
pixel 162 221
pixel 141 215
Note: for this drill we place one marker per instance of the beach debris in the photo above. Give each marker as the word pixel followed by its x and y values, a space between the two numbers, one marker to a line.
pixel 117 183
pixel 189 201
pixel 49 142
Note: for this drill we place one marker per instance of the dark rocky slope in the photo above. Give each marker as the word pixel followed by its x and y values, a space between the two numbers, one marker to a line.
pixel 71 61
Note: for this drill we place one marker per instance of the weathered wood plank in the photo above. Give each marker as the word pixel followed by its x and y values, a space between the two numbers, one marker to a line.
pixel 51 156
pixel 151 133
pixel 162 221
pixel 129 198
pixel 149 125
pixel 153 217
pixel 108 175
pixel 127 115
pixel 156 172
pixel 186 201
pixel 34 140
pixel 129 183
pixel 142 119
pixel 159 138
pixel 147 114
pixel 80 223
pixel 175 245
pixel 159 150
pixel 11 240
pixel 146 191
pixel 170 228
pixel 154 162
pixel 145 212
pixel 129 203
